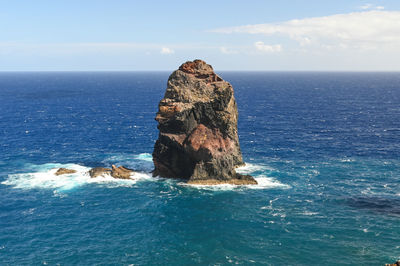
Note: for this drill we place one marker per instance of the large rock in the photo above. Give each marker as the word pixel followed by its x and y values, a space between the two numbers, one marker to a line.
pixel 197 119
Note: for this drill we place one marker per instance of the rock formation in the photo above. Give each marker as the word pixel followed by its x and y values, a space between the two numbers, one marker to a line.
pixel 121 172
pixel 64 171
pixel 99 171
pixel 197 119
pixel 116 172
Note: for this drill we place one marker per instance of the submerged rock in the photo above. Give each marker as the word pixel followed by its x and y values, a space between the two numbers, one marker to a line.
pixel 99 171
pixel 64 171
pixel 197 119
pixel 121 172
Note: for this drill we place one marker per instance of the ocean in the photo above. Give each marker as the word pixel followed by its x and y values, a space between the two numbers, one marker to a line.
pixel 325 148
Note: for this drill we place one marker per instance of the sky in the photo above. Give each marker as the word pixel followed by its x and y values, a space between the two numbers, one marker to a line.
pixel 252 35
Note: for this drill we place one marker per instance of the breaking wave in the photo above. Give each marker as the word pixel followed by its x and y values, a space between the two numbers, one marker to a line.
pixel 144 157
pixel 43 177
pixel 258 171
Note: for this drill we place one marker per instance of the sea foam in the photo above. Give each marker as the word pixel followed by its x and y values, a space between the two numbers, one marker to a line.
pixel 144 157
pixel 258 171
pixel 43 177
pixel 251 168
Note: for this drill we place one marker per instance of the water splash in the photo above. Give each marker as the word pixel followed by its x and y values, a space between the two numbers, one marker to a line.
pixel 43 177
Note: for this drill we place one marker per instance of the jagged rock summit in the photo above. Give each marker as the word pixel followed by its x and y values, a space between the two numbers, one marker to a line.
pixel 197 119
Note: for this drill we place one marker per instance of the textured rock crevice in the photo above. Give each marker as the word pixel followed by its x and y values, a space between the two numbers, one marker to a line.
pixel 197 119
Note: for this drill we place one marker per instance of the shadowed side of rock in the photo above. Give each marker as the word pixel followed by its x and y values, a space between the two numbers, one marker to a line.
pixel 197 120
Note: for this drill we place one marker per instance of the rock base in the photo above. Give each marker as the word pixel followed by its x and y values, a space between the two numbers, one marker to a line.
pixel 241 180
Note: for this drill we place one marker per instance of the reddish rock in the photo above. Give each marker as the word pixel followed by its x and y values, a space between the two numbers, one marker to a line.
pixel 197 119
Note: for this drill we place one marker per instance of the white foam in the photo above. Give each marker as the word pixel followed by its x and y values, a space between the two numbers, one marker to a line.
pixel 142 161
pixel 347 160
pixel 263 183
pixel 250 168
pixel 268 182
pixel 43 176
pixel 309 213
pixel 257 170
pixel 144 157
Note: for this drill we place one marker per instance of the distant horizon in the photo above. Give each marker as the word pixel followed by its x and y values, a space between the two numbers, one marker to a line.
pixel 217 71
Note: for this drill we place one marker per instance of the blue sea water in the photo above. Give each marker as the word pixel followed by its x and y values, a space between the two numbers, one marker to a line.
pixel 325 148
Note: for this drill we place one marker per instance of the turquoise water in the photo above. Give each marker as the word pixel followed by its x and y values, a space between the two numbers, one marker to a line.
pixel 325 148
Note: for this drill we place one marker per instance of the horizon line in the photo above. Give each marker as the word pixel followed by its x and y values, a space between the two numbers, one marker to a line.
pixel 338 71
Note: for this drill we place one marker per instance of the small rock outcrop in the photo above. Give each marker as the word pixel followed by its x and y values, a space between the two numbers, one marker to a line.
pixel 64 171
pixel 99 171
pixel 197 120
pixel 120 172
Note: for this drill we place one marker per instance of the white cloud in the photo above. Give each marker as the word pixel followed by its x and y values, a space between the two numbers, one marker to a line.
pixel 366 6
pixel 166 50
pixel 371 6
pixel 360 30
pixel 226 50
pixel 260 46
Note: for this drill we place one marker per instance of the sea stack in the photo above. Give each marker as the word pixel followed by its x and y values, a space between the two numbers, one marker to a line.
pixel 197 119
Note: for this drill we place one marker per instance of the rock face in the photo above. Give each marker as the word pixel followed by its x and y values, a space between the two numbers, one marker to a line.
pixel 64 171
pixel 197 119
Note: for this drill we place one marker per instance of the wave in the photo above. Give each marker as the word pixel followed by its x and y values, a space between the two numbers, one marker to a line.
pixel 258 171
pixel 252 169
pixel 43 177
pixel 144 157
pixel 142 161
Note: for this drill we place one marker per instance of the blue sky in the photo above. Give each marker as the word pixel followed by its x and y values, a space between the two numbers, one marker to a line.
pixel 230 35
